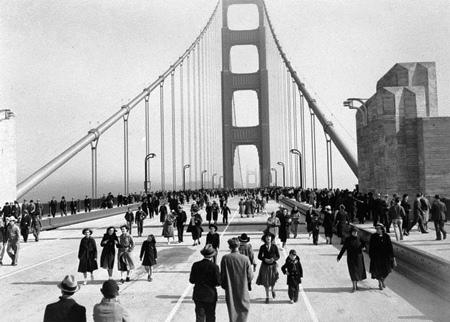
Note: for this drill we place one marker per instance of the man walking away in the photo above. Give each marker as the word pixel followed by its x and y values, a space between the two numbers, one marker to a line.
pixel 110 309
pixel 129 218
pixel 66 309
pixel 418 215
pixel 205 276
pixel 438 210
pixel 181 220
pixel 397 214
pixel 236 277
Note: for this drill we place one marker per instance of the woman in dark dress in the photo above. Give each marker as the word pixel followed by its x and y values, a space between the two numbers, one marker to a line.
pixel 285 223
pixel 87 254
pixel 341 223
pixel 268 273
pixel 195 228
pixel 381 255
pixel 328 220
pixel 355 260
pixel 149 255
pixel 109 243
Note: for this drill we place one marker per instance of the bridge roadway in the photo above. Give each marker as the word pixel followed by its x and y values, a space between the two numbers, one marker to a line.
pixel 325 293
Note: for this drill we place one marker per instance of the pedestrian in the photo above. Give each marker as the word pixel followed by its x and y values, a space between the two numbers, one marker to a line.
pixel 162 213
pixel 87 204
pixel 167 231
pixel 273 224
pixel 245 248
pixel 236 278
pixel 63 206
pixel 181 220
pixel 149 255
pixel 129 218
pixel 407 207
pixel 53 205
pixel 73 207
pixel 110 309
pixel 109 243
pixel 139 219
pixel 87 255
pixel 213 238
pixel 13 248
pixel 225 212
pixel 268 272
pixel 208 210
pixel 125 247
pixel 355 260
pixel 36 224
pixel 241 207
pixel 418 215
pixel 438 211
pixel 328 219
pixel 396 215
pixel 205 276
pixel 294 271
pixel 341 222
pixel 195 227
pixel 316 222
pixel 295 217
pixel 66 309
pixel 381 255
pixel 3 240
pixel 25 224
pixel 426 206
pixel 285 222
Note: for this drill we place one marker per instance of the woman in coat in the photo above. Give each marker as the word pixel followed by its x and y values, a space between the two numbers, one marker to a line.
pixel 328 220
pixel 126 246
pixel 87 254
pixel 149 255
pixel 295 217
pixel 195 228
pixel 294 271
pixel 109 243
pixel 355 260
pixel 381 255
pixel 167 231
pixel 273 223
pixel 285 222
pixel 341 223
pixel 268 273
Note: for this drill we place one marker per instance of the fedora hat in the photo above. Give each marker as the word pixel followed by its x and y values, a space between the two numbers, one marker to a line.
pixel 208 251
pixel 233 242
pixel 244 238
pixel 272 236
pixel 69 284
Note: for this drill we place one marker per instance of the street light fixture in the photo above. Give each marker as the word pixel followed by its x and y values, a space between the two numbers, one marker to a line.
pixel 203 172
pixel 147 170
pixel 363 108
pixel 297 152
pixel 186 166
pixel 276 176
pixel 215 174
pixel 284 172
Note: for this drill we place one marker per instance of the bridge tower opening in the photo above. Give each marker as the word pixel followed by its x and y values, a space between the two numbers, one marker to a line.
pixel 234 134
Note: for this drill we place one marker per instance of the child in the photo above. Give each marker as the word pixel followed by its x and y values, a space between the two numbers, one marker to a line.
pixel 293 269
pixel 148 251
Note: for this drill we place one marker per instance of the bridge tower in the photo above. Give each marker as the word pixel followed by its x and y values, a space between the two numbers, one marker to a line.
pixel 258 135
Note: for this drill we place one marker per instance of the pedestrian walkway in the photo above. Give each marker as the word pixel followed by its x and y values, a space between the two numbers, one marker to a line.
pixel 325 292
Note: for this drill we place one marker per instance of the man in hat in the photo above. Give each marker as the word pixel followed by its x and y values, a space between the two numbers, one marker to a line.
pixel 245 248
pixel 66 309
pixel 181 220
pixel 13 234
pixel 205 276
pixel 438 211
pixel 110 309
pixel 213 239
pixel 236 276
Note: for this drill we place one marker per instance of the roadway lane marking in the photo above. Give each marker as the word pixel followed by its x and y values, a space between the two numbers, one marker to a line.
pixel 35 265
pixel 308 305
pixel 190 286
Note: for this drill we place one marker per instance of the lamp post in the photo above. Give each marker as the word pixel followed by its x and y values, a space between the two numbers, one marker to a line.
pixel 186 166
pixel 284 172
pixel 212 180
pixel 203 172
pixel 363 108
pixel 297 152
pixel 147 170
pixel 276 176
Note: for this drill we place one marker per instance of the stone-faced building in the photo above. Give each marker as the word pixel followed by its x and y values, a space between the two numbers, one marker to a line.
pixel 403 144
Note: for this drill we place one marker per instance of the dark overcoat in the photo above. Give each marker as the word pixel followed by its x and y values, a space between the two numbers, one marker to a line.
pixel 355 260
pixel 107 257
pixel 87 254
pixel 295 270
pixel 66 309
pixel 148 253
pixel 381 255
pixel 205 276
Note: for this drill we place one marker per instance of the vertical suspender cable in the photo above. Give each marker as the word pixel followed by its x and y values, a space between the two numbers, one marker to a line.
pixel 199 105
pixel 303 138
pixel 289 116
pixel 174 141
pixel 161 113
pixel 294 109
pixel 125 150
pixel 189 119
pixel 182 140
pixel 194 113
pixel 147 131
pixel 313 149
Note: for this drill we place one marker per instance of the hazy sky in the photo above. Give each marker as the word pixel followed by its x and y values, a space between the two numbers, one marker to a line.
pixel 67 65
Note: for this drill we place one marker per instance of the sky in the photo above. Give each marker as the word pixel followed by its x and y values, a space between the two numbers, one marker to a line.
pixel 66 66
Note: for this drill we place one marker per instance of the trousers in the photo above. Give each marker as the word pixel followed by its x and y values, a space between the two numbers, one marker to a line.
pixel 13 251
pixel 205 312
pixel 439 226
pixel 293 291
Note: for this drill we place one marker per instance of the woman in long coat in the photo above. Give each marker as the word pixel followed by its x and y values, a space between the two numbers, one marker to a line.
pixel 268 273
pixel 328 219
pixel 273 224
pixel 195 227
pixel 126 246
pixel 285 222
pixel 149 255
pixel 341 223
pixel 355 260
pixel 109 243
pixel 381 255
pixel 87 254
pixel 167 231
